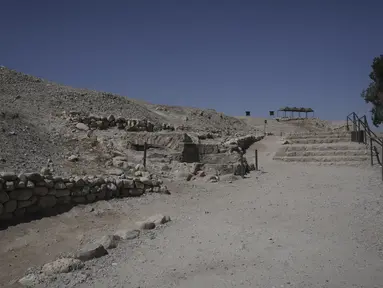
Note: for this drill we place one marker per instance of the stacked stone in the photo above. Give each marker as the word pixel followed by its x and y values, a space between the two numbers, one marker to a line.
pixel 102 123
pixel 243 142
pixel 167 127
pixel 30 193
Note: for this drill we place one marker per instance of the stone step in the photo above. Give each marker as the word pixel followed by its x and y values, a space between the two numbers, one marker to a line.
pixel 323 159
pixel 324 147
pixel 320 140
pixel 324 153
pixel 318 135
pixel 313 136
pixel 339 163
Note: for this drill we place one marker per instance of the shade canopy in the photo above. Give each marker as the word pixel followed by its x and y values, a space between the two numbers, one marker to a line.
pixel 296 109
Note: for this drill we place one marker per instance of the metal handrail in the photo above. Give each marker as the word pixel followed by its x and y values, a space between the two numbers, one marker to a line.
pixel 357 123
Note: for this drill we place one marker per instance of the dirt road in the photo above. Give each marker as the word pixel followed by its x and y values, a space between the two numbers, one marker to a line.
pixel 294 225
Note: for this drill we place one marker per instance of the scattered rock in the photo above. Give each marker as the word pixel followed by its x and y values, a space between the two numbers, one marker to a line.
pixel 158 219
pixel 189 177
pixel 166 168
pixel 46 171
pixel 115 171
pixel 120 162
pixel 146 225
pixel 201 173
pixel 213 178
pixel 127 234
pixel 164 190
pixel 63 265
pixel 82 126
pixel 140 167
pixel 146 180
pixel 30 280
pixel 109 241
pixel 73 158
pixel 91 251
pixel 229 178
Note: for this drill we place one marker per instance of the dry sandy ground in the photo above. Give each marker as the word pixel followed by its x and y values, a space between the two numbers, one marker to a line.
pixel 293 226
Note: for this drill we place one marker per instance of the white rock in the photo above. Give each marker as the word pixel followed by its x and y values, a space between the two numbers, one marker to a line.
pixel 63 265
pixel 115 171
pixel 91 251
pixel 158 219
pixel 73 158
pixel 82 126
pixel 29 280
pixel 127 234
pixel 140 167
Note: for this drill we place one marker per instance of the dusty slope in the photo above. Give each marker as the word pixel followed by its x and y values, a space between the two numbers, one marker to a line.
pixel 32 129
pixel 291 126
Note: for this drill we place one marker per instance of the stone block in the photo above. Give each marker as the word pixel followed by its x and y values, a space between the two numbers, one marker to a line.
pixel 91 197
pixel 19 213
pixel 21 194
pixel 8 176
pixel 3 197
pixel 27 203
pixel 10 186
pixel 35 177
pixel 40 191
pixel 60 186
pixel 79 200
pixel 128 183
pixel 62 193
pixel 135 192
pixel 47 201
pixel 10 206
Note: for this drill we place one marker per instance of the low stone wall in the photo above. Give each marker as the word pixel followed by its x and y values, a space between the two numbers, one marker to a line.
pixel 26 195
pixel 244 142
pixel 102 123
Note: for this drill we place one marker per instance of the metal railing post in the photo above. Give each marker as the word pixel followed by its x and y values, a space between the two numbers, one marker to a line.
pixel 145 149
pixel 348 129
pixel 372 157
pixel 353 122
pixel 381 162
pixel 358 132
pixel 256 160
pixel 242 167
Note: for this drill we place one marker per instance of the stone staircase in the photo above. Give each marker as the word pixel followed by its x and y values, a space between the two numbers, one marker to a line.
pixel 330 148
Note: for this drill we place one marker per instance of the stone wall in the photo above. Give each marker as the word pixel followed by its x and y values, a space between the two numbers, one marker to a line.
pixel 103 122
pixel 30 194
pixel 244 142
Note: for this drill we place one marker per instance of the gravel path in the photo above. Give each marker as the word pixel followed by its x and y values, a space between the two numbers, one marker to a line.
pixel 293 226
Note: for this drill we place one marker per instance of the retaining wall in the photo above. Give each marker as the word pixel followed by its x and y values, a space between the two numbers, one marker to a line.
pixel 33 194
pixel 102 123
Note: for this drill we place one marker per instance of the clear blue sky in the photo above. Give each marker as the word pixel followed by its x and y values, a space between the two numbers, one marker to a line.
pixel 231 56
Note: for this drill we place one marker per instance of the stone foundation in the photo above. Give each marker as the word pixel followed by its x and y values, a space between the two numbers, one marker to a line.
pixel 102 123
pixel 33 194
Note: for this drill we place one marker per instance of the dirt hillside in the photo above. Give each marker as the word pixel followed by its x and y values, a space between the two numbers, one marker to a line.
pixel 35 130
